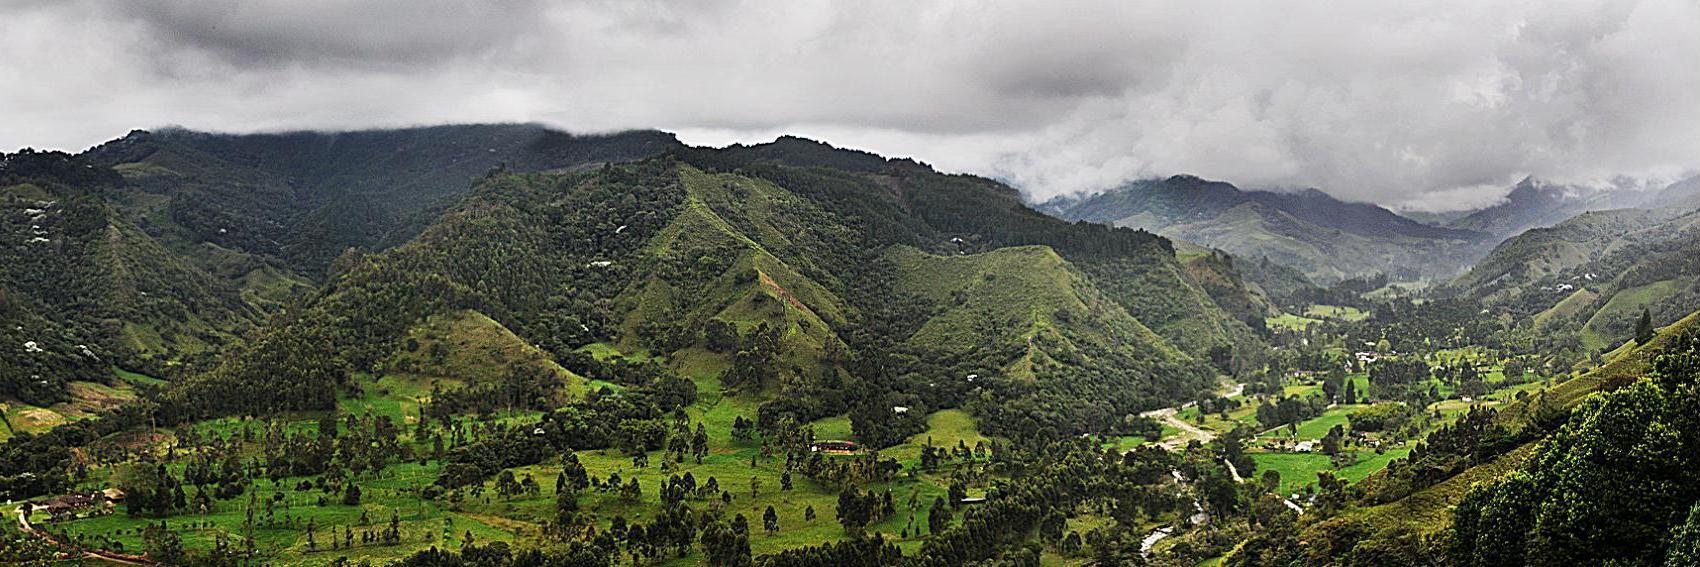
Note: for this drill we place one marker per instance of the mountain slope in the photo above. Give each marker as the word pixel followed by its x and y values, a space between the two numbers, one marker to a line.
pixel 1684 195
pixel 304 197
pixel 1536 203
pixel 90 289
pixel 1589 277
pixel 778 282
pixel 1369 532
pixel 1327 239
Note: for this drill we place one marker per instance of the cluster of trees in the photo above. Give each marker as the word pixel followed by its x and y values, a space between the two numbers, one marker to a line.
pixel 1386 416
pixel 1615 484
pixel 1290 410
pixel 1402 378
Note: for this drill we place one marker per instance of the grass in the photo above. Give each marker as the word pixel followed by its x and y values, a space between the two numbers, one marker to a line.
pixel 945 428
pixel 490 517
pixel 469 347
pixel 1341 312
pixel 136 377
pixel 835 428
pixel 1620 312
pixel 1317 427
pixel 1291 322
pixel 25 191
pixel 1569 306
pixel 87 399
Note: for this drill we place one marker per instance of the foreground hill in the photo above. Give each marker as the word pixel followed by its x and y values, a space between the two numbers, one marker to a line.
pixel 1326 239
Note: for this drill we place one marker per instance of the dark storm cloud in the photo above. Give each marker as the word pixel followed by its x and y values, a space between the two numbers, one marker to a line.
pixel 1434 104
pixel 335 34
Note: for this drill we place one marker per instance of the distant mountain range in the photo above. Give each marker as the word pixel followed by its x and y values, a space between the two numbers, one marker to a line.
pixel 1535 203
pixel 1330 240
pixel 1595 272
pixel 1325 238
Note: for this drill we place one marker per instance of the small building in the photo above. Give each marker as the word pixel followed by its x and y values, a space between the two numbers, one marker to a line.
pixel 972 500
pixel 834 447
pixel 1305 446
pixel 68 506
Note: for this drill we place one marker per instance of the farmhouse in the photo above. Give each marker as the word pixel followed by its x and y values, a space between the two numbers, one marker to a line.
pixel 834 447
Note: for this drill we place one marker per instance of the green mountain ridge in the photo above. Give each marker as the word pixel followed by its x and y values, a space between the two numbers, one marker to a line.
pixel 1590 276
pixel 658 255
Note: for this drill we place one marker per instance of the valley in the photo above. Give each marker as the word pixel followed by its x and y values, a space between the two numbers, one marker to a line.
pixel 505 345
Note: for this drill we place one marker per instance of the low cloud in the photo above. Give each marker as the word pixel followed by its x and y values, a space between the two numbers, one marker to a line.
pixel 1425 106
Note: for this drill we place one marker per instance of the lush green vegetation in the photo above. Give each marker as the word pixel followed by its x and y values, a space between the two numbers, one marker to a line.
pixel 791 354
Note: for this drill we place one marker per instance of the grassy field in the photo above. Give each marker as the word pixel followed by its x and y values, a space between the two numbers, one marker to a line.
pixel 1317 427
pixel 1289 321
pixel 1341 312
pixel 487 516
pixel 87 399
pixel 1622 308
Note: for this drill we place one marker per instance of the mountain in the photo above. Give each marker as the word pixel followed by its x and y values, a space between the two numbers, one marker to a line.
pixel 808 278
pixel 1536 203
pixel 1683 194
pixel 1590 276
pixel 304 197
pixel 1326 239
pixel 154 250
pixel 84 288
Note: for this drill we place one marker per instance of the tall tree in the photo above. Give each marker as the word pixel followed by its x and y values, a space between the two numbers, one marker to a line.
pixel 1644 327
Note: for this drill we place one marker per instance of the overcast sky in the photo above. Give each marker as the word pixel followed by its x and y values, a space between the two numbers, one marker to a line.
pixel 1431 104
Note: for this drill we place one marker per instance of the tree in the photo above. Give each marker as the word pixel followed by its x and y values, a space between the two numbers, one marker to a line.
pixel 724 546
pixel 351 497
pixel 1685 541
pixel 938 518
pixel 770 520
pixel 166 547
pixel 853 510
pixel 1644 327
pixel 566 506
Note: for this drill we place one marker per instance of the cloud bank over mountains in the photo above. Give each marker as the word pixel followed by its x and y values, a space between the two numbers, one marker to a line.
pixel 1432 105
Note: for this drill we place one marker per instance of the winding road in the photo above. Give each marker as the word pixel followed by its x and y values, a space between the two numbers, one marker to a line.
pixel 123 558
pixel 1189 433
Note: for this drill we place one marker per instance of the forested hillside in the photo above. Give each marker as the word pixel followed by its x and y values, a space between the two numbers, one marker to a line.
pixel 791 293
pixel 85 289
pixel 1585 282
pixel 304 197
pixel 155 250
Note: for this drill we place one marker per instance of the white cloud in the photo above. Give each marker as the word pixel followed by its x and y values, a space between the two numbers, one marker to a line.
pixel 1409 103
